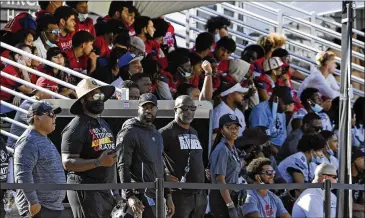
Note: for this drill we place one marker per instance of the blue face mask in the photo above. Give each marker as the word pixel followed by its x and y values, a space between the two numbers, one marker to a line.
pixel 217 37
pixel 274 109
pixel 317 160
pixel 317 108
pixel 330 151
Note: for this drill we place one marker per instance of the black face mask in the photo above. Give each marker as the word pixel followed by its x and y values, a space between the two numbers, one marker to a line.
pixel 95 107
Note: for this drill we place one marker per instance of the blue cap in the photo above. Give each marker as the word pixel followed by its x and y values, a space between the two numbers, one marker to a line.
pixel 41 107
pixel 127 58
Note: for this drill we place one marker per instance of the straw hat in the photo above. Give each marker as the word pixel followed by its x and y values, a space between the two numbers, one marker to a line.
pixel 86 86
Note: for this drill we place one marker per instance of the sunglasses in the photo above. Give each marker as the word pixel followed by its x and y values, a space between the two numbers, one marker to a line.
pixel 54 32
pixel 191 108
pixel 98 96
pixel 269 172
pixel 51 114
pixel 332 176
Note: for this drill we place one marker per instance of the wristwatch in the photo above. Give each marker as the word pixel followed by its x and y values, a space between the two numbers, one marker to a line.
pixel 97 162
pixel 208 73
pixel 230 204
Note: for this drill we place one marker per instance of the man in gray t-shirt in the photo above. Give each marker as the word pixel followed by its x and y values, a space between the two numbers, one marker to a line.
pixel 262 202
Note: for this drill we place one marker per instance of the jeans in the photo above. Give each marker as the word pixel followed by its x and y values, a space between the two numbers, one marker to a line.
pixel 191 205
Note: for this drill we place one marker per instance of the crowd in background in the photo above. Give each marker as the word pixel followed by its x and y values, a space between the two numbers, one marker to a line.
pixel 265 131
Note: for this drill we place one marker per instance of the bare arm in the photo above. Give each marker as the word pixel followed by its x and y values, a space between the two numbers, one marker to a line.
pixel 298 178
pixel 296 74
pixel 253 215
pixel 358 207
pixel 225 193
pixel 73 162
pixel 25 89
pixel 207 89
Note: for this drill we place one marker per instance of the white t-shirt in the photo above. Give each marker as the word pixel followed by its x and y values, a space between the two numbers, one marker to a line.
pixel 42 51
pixel 332 160
pixel 223 109
pixel 310 204
pixel 317 80
pixel 297 161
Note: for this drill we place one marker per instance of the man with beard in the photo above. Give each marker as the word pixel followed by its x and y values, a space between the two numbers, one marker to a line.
pixel 262 202
pixel 183 149
pixel 140 159
pixel 232 100
pixel 66 22
pixel 88 151
pixel 144 28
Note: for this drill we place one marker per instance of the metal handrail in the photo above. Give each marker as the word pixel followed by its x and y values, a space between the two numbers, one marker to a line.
pixel 7 119
pixel 18 94
pixel 8 134
pixel 13 107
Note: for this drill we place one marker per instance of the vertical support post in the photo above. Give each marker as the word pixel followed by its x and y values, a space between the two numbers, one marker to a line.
pixel 187 30
pixel 327 199
pixel 160 205
pixel 280 22
pixel 344 207
pixel 313 33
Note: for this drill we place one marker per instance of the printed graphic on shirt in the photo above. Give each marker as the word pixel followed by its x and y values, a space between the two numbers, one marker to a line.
pixel 189 142
pixel 3 165
pixel 268 210
pixel 102 139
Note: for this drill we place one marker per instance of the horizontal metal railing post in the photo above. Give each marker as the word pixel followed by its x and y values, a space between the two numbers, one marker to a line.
pixel 17 94
pixel 26 83
pixel 9 120
pixel 13 107
pixel 8 134
pixel 49 63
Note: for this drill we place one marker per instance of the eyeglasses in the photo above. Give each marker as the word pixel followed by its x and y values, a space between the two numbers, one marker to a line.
pixel 332 176
pixel 51 114
pixel 269 172
pixel 54 32
pixel 186 108
pixel 98 96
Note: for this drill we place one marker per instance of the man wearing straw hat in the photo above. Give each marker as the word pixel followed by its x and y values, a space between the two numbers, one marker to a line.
pixel 88 151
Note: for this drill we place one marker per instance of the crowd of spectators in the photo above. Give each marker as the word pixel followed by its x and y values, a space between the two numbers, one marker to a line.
pixel 265 131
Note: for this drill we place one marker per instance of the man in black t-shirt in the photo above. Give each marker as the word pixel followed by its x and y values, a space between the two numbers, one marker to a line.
pixel 4 163
pixel 88 151
pixel 358 177
pixel 184 159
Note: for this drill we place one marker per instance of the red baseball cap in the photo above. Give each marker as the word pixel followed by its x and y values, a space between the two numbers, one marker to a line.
pixel 45 83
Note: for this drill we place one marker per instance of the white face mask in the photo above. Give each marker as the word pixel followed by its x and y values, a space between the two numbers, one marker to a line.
pixel 50 44
pixel 217 37
pixel 83 17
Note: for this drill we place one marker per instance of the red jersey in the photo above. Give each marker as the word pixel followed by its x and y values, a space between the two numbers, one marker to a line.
pixel 169 39
pixel 152 46
pixel 8 83
pixel 86 25
pixel 21 21
pixel 266 82
pixel 77 64
pixel 65 42
pixel 103 46
pixel 259 65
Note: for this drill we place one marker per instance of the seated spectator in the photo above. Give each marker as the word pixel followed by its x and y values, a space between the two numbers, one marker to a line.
pixel 198 72
pixel 218 26
pixel 268 80
pixel 204 44
pixel 312 101
pixel 358 177
pixel 22 74
pixel 66 22
pixel 232 100
pixel 215 77
pixel 358 130
pixel 225 166
pixel 83 22
pixel 188 89
pixel 47 7
pixel 134 92
pixel 143 81
pixel 224 48
pixel 137 46
pixel 326 104
pixel 123 11
pixel 296 168
pixel 323 79
pixel 48 32
pixel 128 64
pixel 26 36
pixel 252 52
pixel 269 43
pixel 237 71
pixel 270 114
pixel 312 124
pixel 154 45
pixel 36 65
pixel 262 202
pixel 331 149
pixel 144 28
pixel 81 57
pixel 311 202
pixel 123 41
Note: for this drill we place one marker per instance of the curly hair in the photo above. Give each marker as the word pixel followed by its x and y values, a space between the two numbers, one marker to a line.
pixel 307 94
pixel 310 142
pixel 323 57
pixel 271 41
pixel 217 23
pixel 255 167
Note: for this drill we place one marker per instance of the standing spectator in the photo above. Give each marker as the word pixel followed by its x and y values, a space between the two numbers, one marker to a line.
pixel 4 164
pixel 134 93
pixel 87 151
pixel 312 124
pixel 358 177
pixel 296 168
pixel 312 101
pixel 48 32
pixel 123 41
pixel 83 22
pixel 323 79
pixel 331 149
pixel 140 158
pixel 143 81
pixel 66 22
pixel 182 146
pixel 137 46
pixel 358 130
pixel 154 45
pixel 232 100
pixel 144 28
pixel 128 64
pixel 224 48
pixel 262 202
pixel 204 44
pixel 36 160
pixel 82 57
pixel 270 114
pixel 218 26
pixel 311 202
pixel 47 7
pixel 225 166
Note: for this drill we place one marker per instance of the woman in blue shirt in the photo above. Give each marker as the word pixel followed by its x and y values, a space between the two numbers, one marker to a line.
pixel 225 166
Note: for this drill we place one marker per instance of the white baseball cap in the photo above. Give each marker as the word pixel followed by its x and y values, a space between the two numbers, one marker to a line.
pixel 272 63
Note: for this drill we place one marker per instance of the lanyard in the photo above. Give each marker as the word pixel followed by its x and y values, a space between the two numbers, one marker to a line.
pixel 187 168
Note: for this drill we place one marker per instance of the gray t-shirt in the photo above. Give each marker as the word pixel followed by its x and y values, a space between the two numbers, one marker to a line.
pixel 269 206
pixel 225 161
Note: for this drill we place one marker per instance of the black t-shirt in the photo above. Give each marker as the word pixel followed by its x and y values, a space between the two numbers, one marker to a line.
pixel 359 196
pixel 89 137
pixel 4 164
pixel 178 142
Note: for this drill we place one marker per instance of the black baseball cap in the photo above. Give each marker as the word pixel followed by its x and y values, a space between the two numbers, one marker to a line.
pixel 229 119
pixel 41 107
pixel 284 92
pixel 147 98
pixel 359 152
pixel 53 52
pixel 252 136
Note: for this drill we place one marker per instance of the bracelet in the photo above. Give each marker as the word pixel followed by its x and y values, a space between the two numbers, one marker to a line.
pixel 208 73
pixel 230 204
pixel 97 162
